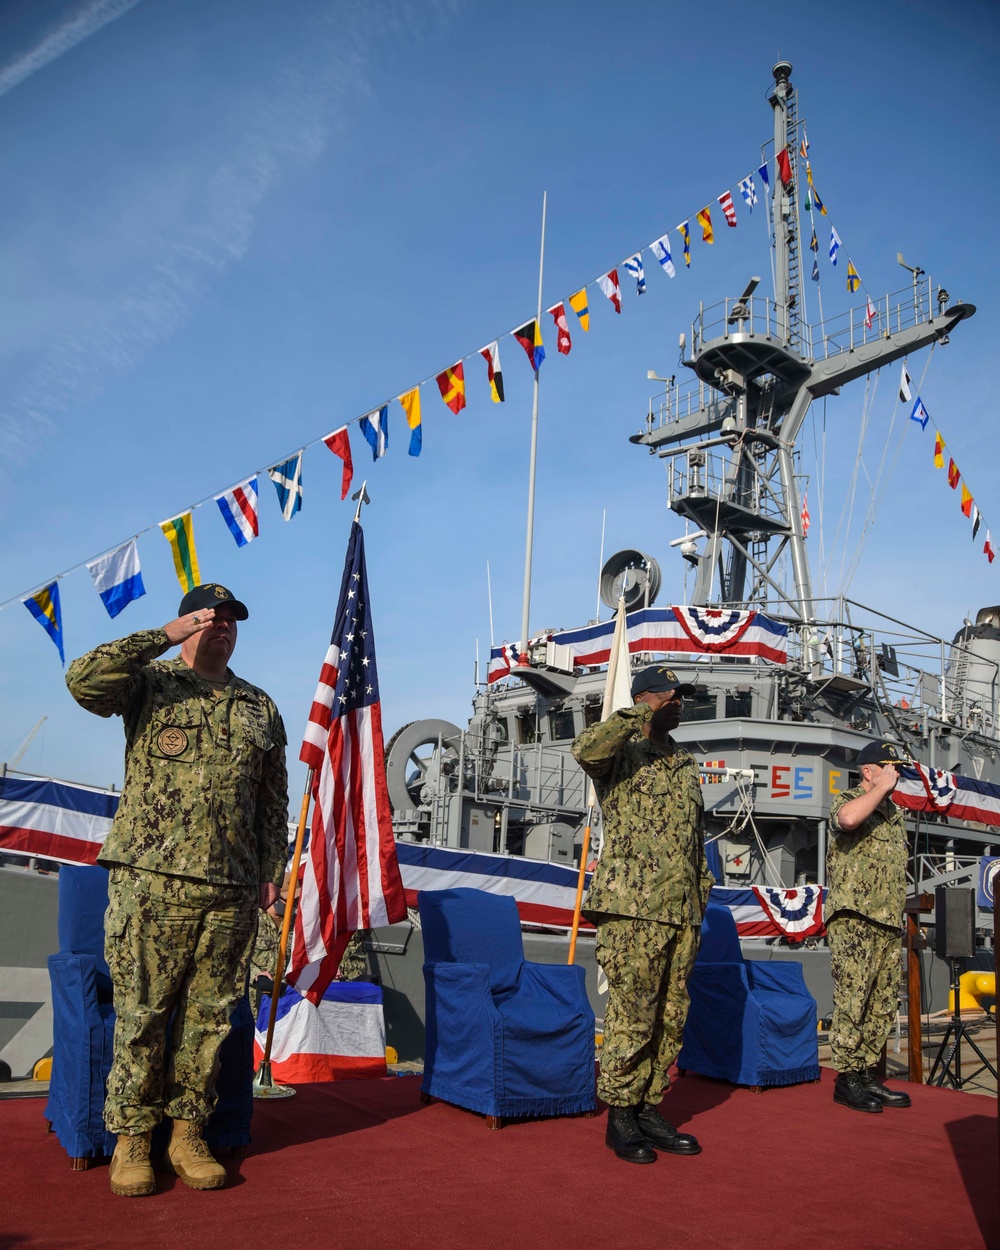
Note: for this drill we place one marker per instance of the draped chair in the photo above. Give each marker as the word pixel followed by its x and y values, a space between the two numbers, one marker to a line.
pixel 504 1037
pixel 83 1033
pixel 750 1022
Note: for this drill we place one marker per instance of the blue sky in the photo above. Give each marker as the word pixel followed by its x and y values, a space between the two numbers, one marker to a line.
pixel 230 226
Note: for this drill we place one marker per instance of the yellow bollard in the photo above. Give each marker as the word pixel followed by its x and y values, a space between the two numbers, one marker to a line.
pixel 972 988
pixel 42 1071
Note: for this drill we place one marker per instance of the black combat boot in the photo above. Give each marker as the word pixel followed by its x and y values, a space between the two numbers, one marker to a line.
pixel 662 1135
pixel 850 1090
pixel 625 1138
pixel 887 1097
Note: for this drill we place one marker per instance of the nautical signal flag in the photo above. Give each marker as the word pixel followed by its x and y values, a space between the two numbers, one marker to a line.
pixel 920 414
pixel 871 312
pixel 966 504
pixel 287 479
pixel 764 176
pixel 375 428
pixel 938 451
pixel 411 406
pixel 784 167
pixel 451 384
pixel 812 187
pixel 835 245
pixel 685 233
pixel 804 145
pixel 179 533
pixel 117 578
pixel 988 549
pixel 238 506
pixel 530 338
pixel 954 477
pixel 705 221
pixel 563 341
pixel 661 250
pixel 904 385
pixel 726 203
pixel 749 191
pixel 339 443
pixel 44 607
pixel 578 302
pixel 609 285
pixel 634 267
pixel 806 519
pixel 853 277
pixel 814 242
pixel 491 354
pixel 977 520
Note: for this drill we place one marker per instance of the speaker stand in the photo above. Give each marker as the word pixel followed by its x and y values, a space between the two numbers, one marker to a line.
pixel 951 1067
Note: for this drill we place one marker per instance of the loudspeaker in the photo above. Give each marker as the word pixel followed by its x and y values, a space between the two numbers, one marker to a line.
pixel 954 922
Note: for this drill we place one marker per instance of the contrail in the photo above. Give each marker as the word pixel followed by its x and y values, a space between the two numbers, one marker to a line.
pixel 67 35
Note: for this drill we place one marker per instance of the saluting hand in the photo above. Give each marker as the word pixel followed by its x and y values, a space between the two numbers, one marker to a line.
pixel 185 627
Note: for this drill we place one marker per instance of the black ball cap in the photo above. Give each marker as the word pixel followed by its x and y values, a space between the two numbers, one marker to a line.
pixel 883 753
pixel 212 595
pixel 658 679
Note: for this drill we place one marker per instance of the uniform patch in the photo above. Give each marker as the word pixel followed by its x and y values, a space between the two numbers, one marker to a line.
pixel 220 592
pixel 172 741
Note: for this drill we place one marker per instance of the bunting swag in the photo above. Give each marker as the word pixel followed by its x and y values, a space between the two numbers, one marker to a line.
pixel 44 607
pixel 411 406
pixel 375 428
pixel 923 789
pixel 451 384
pixel 239 510
pixel 179 533
pixel 491 354
pixel 502 660
pixel 339 443
pixel 117 578
pixel 287 479
pixel 671 630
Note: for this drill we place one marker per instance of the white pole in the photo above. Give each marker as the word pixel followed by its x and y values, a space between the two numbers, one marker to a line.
pixel 489 595
pixel 600 566
pixel 531 464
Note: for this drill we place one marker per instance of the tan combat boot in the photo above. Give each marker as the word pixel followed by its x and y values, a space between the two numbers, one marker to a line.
pixel 131 1173
pixel 191 1159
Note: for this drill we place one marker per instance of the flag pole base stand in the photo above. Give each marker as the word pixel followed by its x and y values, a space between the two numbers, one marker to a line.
pixel 264 1086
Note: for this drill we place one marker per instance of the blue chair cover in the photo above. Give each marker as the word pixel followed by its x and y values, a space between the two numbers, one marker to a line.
pixel 504 1037
pixel 750 1022
pixel 83 1032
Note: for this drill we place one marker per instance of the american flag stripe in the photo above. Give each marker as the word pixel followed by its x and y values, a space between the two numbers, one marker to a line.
pixel 351 879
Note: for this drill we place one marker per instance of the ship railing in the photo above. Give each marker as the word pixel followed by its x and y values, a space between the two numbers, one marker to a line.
pixel 761 317
pixel 915 672
pixel 697 472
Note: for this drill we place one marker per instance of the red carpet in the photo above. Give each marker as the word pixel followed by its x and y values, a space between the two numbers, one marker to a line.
pixel 361 1164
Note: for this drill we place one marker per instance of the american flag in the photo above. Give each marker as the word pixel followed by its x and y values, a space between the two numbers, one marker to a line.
pixel 351 878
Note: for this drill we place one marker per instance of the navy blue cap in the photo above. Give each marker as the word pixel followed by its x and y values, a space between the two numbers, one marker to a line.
pixel 658 679
pixel 212 595
pixel 882 753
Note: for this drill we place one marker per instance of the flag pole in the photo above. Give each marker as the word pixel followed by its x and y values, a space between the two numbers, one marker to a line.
pixel 263 1085
pixel 534 453
pixel 618 641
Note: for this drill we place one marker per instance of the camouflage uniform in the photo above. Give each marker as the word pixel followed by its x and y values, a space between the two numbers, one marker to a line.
pixel 264 956
pixel 647 897
pixel 201 823
pixel 354 961
pixel 866 871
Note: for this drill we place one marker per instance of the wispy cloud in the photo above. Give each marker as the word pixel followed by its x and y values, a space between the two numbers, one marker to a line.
pixel 60 39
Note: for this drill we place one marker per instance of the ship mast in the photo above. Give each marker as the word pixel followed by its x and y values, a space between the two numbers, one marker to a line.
pixel 730 435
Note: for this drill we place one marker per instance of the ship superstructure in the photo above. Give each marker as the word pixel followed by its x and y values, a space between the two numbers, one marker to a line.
pixel 776 741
